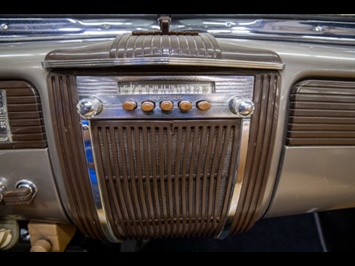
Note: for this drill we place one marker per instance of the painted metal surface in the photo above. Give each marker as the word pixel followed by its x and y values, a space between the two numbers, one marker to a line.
pixel 33 166
pixel 318 55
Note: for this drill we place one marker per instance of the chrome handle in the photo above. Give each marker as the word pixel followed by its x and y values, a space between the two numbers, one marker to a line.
pixel 23 194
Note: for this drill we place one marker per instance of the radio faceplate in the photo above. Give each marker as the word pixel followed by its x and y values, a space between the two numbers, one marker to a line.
pixel 165 96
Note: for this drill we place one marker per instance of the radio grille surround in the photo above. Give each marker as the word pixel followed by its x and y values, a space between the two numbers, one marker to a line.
pixel 129 220
pixel 166 178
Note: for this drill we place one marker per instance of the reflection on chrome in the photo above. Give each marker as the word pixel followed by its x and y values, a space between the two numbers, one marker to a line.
pixel 317 31
pixel 95 184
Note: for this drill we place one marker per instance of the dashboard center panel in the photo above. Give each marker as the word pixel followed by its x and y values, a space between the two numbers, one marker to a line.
pixel 164 155
pixel 118 128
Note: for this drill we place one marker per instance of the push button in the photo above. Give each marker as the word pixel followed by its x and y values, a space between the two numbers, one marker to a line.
pixel 147 106
pixel 203 105
pixel 166 106
pixel 185 105
pixel 129 105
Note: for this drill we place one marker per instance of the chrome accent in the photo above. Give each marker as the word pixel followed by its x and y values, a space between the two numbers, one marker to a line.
pixel 37 167
pixel 5 132
pixel 95 184
pixel 179 61
pixel 238 178
pixel 27 184
pixel 230 26
pixel 4 26
pixel 242 85
pixel 225 88
pixel 89 107
pixel 241 106
pixel 3 186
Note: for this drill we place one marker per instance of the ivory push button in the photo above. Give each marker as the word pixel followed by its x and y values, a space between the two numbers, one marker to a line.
pixel 147 106
pixel 185 105
pixel 166 106
pixel 129 105
pixel 203 105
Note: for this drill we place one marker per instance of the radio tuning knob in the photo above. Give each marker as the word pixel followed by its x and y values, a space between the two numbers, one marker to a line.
pixel 89 107
pixel 241 107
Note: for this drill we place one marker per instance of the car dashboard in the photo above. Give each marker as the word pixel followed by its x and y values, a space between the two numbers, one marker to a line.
pixel 138 127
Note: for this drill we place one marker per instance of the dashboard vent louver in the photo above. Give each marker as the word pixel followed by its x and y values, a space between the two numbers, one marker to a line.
pixel 25 117
pixel 322 113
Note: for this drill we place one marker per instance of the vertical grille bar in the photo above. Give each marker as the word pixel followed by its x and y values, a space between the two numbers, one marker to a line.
pixel 68 138
pixel 183 176
pixel 260 147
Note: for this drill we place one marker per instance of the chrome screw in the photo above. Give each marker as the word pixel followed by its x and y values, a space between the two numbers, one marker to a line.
pixel 4 26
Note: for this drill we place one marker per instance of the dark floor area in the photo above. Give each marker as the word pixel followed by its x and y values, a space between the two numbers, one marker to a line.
pixel 287 234
pixel 296 233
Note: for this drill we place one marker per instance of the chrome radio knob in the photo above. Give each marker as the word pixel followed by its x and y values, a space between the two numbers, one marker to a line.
pixel 89 107
pixel 241 107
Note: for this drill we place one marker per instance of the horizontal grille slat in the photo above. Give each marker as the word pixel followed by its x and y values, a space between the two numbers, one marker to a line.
pixel 321 134
pixel 322 113
pixel 24 112
pixel 173 176
pixel 321 98
pixel 323 106
pixel 321 120
pixel 322 127
pixel 22 100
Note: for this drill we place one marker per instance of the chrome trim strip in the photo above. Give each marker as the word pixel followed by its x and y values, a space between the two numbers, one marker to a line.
pixel 238 178
pixel 230 26
pixel 4 118
pixel 160 61
pixel 225 88
pixel 95 184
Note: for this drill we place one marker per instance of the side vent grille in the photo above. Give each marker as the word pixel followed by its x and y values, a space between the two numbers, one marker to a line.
pixel 322 113
pixel 24 114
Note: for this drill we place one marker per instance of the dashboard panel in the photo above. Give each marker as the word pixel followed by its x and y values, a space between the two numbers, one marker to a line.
pixel 165 128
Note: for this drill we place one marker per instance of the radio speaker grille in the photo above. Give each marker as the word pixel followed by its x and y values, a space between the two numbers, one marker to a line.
pixel 166 178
